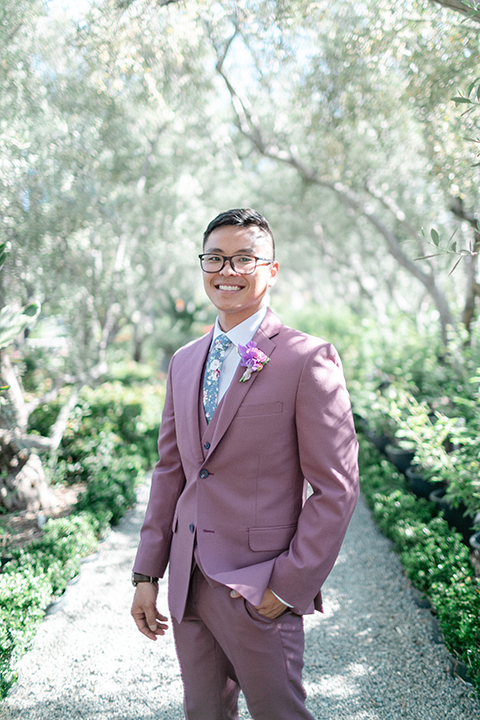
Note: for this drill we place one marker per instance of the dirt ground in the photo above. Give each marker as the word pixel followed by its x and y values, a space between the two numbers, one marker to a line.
pixel 18 529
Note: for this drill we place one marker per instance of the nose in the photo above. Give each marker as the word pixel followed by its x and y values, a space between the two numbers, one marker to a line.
pixel 228 268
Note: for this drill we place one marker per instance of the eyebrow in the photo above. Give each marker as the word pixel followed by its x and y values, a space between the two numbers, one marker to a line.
pixel 238 252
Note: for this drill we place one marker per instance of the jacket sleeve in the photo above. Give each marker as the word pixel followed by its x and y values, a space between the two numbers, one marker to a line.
pixel 328 451
pixel 168 481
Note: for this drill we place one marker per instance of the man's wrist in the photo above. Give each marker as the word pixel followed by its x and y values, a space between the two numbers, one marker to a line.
pixel 139 578
pixel 282 601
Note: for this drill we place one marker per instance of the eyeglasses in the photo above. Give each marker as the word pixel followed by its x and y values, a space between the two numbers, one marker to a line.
pixel 240 264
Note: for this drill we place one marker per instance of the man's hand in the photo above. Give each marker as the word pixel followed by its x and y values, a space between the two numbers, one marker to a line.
pixel 270 607
pixel 144 611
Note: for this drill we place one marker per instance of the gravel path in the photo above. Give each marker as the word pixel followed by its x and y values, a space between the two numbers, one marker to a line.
pixel 371 656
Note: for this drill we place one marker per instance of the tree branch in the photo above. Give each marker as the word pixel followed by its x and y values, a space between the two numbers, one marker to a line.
pixel 14 392
pixel 389 204
pixel 249 128
pixel 460 7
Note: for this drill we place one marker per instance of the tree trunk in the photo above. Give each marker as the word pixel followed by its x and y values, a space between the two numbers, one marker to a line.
pixel 472 288
pixel 468 313
pixel 23 485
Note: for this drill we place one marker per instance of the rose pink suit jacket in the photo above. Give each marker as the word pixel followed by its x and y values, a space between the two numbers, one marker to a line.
pixel 238 487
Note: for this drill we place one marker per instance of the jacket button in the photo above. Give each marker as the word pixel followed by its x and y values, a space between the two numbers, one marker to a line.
pixel 206 446
pixel 204 473
pixel 192 528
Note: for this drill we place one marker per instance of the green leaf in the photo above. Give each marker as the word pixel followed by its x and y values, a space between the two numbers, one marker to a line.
pixel 31 310
pixel 3 253
pixel 427 257
pixel 453 246
pixel 455 266
pixel 435 237
pixel 461 99
pixel 12 322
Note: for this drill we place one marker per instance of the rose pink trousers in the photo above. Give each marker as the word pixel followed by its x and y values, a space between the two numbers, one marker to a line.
pixel 224 645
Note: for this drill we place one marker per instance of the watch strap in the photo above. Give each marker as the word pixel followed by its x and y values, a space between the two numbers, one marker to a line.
pixel 139 578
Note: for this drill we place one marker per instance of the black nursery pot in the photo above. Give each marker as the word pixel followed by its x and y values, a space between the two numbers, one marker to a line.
pixel 474 542
pixel 455 517
pixel 3 562
pixel 418 483
pixel 378 441
pixel 399 457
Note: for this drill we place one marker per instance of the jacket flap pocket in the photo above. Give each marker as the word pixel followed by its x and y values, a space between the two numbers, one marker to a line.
pixel 270 538
pixel 261 409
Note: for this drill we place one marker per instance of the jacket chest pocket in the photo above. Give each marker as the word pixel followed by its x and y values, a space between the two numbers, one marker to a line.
pixel 272 408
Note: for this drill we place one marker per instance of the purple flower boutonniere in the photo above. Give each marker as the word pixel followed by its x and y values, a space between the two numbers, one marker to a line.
pixel 253 359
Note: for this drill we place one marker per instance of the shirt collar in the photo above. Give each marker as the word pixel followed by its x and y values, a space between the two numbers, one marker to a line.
pixel 242 334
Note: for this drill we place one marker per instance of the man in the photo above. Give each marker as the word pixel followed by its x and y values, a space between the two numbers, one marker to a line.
pixel 248 421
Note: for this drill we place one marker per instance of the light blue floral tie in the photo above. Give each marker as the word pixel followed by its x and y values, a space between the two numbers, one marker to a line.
pixel 212 374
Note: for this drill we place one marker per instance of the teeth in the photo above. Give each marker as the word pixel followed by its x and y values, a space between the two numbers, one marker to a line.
pixel 229 287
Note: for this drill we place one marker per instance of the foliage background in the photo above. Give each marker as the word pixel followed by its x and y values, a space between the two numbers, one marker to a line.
pixel 125 126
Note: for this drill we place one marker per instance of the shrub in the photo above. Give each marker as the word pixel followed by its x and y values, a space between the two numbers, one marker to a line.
pixel 110 491
pixel 434 557
pixel 438 556
pixel 24 595
pixel 112 419
pixel 32 578
pixel 458 609
pixel 110 441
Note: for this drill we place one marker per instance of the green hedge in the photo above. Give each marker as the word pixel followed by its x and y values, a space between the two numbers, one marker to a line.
pixel 109 444
pixel 434 557
pixel 34 577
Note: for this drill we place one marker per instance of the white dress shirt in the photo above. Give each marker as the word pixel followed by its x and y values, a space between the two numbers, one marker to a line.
pixel 239 335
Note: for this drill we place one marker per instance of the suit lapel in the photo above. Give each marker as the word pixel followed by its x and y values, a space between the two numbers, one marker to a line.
pixel 238 390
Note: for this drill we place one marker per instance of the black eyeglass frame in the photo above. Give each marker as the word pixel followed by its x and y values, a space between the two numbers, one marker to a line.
pixel 229 258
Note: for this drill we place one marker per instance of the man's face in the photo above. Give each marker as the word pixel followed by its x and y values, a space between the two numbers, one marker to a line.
pixel 235 296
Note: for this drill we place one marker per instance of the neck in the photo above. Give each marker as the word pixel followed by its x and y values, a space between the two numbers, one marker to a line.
pixel 228 322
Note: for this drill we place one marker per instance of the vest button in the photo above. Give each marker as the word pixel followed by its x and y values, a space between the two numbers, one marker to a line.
pixel 204 473
pixel 192 528
pixel 206 446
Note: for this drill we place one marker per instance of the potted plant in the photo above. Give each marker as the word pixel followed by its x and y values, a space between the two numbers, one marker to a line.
pixel 455 513
pixel 373 411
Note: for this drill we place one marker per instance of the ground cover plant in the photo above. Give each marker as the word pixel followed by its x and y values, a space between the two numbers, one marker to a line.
pixel 409 389
pixel 434 557
pixel 109 444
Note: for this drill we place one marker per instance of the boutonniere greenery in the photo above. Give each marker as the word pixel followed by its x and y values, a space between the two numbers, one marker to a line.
pixel 253 359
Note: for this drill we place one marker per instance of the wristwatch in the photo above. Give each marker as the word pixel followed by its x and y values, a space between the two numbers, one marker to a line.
pixel 139 578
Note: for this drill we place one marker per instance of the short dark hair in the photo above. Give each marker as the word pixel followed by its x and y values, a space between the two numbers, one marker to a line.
pixel 243 217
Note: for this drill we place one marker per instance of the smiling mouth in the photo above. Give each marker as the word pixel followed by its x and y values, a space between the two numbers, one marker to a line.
pixel 229 288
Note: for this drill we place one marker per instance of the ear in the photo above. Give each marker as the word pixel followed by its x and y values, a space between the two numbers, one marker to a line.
pixel 273 274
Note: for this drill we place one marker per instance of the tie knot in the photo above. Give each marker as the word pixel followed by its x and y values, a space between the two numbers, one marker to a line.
pixel 220 346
